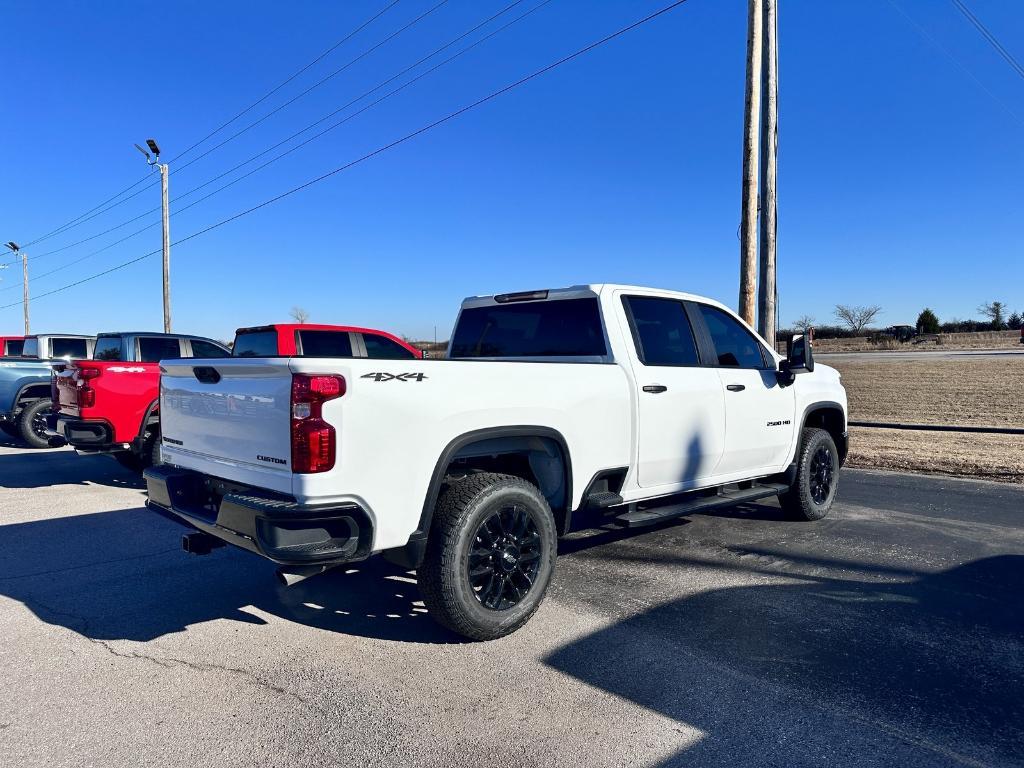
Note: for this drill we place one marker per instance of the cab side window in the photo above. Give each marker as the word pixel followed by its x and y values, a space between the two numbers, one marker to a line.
pixel 735 346
pixel 383 348
pixel 661 331
pixel 207 350
pixel 153 350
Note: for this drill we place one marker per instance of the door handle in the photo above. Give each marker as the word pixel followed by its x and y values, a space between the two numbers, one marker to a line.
pixel 735 387
pixel 655 389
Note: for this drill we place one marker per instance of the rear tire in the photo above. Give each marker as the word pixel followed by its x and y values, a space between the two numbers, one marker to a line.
pixel 813 491
pixel 32 424
pixel 490 556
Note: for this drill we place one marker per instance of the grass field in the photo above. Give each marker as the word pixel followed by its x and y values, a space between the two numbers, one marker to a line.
pixel 985 391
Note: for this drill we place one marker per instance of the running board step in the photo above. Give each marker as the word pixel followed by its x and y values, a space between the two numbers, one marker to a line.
pixel 640 517
pixel 602 500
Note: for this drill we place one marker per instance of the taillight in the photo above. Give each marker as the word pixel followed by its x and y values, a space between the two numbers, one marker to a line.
pixel 86 394
pixel 313 439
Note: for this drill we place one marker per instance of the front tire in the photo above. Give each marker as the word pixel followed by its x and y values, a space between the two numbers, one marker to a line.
pixel 813 491
pixel 32 424
pixel 490 556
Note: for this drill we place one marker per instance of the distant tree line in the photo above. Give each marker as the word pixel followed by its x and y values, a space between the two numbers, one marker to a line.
pixel 856 321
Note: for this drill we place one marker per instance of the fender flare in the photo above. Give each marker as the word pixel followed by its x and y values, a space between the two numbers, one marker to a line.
pixel 30 385
pixel 411 555
pixel 825 405
pixel 153 407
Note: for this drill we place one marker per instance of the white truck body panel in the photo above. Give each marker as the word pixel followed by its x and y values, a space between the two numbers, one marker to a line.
pixel 392 430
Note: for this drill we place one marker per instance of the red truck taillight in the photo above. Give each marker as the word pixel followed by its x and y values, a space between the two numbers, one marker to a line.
pixel 86 394
pixel 313 439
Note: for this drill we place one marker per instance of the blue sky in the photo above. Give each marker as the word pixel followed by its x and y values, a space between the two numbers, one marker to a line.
pixel 899 173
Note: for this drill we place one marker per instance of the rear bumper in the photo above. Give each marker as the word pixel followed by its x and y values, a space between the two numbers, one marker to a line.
pixel 276 528
pixel 83 433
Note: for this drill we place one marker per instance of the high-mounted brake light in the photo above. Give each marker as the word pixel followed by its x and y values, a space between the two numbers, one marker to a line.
pixel 313 439
pixel 506 298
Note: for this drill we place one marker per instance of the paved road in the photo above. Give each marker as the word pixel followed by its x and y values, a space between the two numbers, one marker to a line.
pixel 889 634
pixel 919 355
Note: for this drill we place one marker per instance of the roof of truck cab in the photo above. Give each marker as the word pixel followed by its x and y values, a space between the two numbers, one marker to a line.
pixel 60 335
pixel 290 327
pixel 157 334
pixel 591 289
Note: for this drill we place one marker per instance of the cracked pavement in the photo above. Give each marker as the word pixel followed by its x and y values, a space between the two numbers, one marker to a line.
pixel 890 633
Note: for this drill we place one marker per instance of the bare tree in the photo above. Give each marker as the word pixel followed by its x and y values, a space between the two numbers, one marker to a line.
pixel 299 315
pixel 803 323
pixel 995 312
pixel 856 318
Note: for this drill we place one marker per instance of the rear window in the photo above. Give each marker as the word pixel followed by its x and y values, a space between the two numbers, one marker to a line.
pixel 383 348
pixel 561 328
pixel 14 348
pixel 75 348
pixel 325 344
pixel 107 348
pixel 255 344
pixel 154 349
pixel 31 348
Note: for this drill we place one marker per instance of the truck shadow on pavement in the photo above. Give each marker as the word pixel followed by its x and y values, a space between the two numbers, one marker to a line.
pixel 859 671
pixel 121 575
pixel 46 467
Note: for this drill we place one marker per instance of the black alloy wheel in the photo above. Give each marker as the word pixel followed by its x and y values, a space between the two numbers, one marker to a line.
pixel 505 559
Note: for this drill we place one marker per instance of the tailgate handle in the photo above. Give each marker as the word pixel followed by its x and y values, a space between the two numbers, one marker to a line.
pixel 206 374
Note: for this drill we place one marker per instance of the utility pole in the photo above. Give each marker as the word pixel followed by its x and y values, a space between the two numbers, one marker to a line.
pixel 16 250
pixel 748 217
pixel 154 160
pixel 767 292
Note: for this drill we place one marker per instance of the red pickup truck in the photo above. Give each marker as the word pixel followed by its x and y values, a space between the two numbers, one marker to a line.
pixel 308 340
pixel 110 404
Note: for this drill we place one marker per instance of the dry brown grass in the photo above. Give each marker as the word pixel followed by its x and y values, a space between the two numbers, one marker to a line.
pixel 974 391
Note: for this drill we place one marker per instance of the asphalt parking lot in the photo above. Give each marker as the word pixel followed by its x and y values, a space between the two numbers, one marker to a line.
pixel 889 634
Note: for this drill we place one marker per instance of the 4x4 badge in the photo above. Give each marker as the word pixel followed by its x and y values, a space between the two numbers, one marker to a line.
pixel 383 376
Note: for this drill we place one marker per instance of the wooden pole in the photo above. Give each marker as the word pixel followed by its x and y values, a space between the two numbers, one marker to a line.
pixel 769 156
pixel 166 247
pixel 748 217
pixel 24 289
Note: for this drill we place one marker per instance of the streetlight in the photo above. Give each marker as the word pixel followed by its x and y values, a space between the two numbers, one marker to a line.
pixel 154 160
pixel 16 250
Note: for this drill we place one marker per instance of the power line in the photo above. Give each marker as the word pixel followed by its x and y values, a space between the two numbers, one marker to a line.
pixel 315 85
pixel 78 219
pixel 949 54
pixel 281 85
pixel 397 142
pixel 992 40
pixel 300 132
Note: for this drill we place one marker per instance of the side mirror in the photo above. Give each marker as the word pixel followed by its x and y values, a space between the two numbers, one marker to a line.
pixel 799 359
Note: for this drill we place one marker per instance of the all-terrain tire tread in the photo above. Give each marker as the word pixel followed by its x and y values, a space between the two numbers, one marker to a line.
pixel 440 559
pixel 795 503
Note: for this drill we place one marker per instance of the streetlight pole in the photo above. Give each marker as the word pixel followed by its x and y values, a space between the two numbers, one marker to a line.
pixel 154 160
pixel 16 250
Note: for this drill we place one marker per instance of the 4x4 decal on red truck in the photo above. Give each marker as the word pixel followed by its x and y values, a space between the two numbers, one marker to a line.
pixel 384 376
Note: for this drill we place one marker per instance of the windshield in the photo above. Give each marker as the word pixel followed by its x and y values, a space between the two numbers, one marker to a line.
pixel 561 328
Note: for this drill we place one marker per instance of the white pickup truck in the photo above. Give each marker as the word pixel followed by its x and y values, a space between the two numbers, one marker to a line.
pixel 612 403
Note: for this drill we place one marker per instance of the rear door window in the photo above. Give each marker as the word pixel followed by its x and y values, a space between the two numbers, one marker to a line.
pixel 383 348
pixel 107 348
pixel 255 344
pixel 154 349
pixel 207 349
pixel 14 348
pixel 558 328
pixel 661 331
pixel 325 343
pixel 735 346
pixel 73 348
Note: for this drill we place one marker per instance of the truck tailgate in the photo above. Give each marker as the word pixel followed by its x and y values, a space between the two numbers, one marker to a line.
pixel 234 413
